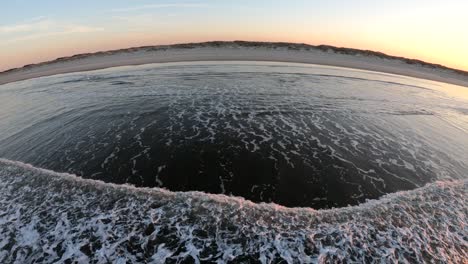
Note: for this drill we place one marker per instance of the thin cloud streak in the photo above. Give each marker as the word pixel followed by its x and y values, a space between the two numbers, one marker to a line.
pixel 158 6
pixel 33 25
pixel 43 27
pixel 74 30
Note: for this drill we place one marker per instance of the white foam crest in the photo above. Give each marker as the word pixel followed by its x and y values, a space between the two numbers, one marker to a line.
pixel 47 216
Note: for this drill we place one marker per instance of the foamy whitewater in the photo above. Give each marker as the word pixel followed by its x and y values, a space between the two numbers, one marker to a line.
pixel 233 162
pixel 54 217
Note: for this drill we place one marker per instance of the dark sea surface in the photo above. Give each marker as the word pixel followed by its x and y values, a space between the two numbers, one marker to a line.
pixel 82 156
pixel 292 134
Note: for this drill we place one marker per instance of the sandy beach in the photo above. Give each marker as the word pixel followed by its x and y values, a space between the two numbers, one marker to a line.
pixel 240 51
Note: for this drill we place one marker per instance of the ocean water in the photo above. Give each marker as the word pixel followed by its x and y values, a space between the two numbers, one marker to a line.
pixel 189 162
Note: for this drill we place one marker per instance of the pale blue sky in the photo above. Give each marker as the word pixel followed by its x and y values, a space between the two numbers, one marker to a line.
pixel 32 31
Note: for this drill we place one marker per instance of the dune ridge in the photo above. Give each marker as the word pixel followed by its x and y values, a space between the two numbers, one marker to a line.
pixel 241 51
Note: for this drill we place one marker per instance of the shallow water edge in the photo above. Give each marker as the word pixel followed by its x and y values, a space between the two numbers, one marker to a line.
pixel 56 217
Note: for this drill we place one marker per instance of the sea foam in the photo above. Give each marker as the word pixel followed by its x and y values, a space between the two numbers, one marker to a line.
pixel 47 216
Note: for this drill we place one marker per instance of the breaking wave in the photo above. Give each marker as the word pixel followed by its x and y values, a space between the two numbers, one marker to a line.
pixel 47 216
pixel 293 134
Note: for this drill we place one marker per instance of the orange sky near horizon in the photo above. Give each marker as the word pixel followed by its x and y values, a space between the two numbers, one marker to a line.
pixel 46 50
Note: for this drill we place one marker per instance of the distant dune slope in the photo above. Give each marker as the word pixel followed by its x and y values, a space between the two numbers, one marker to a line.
pixel 241 50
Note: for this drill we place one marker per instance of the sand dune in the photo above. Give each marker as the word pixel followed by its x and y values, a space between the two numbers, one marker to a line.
pixel 241 51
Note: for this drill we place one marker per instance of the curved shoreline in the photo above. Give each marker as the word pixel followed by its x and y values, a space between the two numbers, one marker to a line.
pixel 240 51
pixel 100 222
pixel 223 198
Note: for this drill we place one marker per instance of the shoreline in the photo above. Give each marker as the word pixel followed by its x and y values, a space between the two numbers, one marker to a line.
pixel 240 51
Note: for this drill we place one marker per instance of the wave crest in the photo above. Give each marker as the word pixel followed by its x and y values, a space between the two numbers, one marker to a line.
pixel 47 216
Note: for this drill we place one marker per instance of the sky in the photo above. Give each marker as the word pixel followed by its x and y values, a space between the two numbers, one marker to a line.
pixel 32 31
